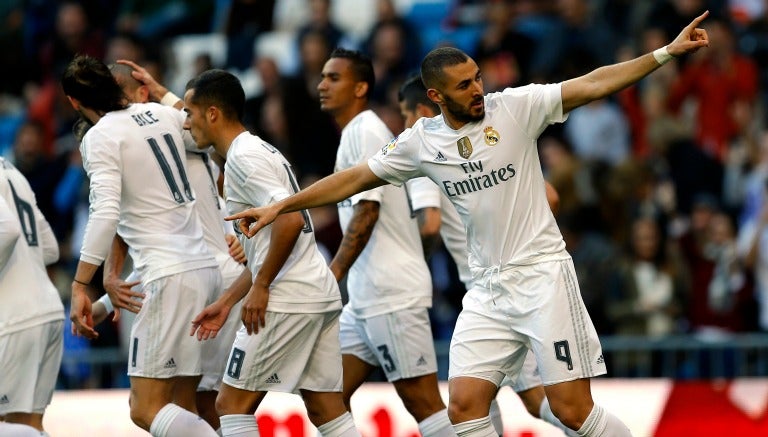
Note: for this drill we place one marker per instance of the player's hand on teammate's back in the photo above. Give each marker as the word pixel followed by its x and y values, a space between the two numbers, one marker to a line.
pixel 250 221
pixel 80 312
pixel 690 39
pixel 255 308
pixel 209 322
pixel 236 250
pixel 122 295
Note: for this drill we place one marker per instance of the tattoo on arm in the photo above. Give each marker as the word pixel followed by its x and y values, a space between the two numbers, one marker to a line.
pixel 356 236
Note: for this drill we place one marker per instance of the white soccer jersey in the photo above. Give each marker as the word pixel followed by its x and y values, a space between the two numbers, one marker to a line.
pixel 451 228
pixel 209 207
pixel 139 187
pixel 490 171
pixel 390 274
pixel 27 296
pixel 257 174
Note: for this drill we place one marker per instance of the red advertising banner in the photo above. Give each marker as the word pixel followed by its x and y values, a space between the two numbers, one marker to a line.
pixel 649 407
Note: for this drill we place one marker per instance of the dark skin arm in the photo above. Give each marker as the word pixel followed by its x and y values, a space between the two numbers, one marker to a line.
pixel 356 236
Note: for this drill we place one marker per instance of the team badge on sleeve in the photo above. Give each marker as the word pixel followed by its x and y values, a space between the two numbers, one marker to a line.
pixel 389 147
pixel 491 136
pixel 465 147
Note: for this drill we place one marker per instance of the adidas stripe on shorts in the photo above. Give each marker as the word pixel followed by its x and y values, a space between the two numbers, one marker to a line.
pixel 537 306
pixel 297 351
pixel 399 342
pixel 160 345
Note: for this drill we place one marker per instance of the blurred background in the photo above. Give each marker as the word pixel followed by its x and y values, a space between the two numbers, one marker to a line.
pixel 662 186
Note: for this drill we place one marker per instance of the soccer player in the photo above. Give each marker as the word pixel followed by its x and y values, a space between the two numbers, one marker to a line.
pixel 31 312
pixel 289 340
pixel 437 217
pixel 225 247
pixel 134 157
pixel 482 153
pixel 385 323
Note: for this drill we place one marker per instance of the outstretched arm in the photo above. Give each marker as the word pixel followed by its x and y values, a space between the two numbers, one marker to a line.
pixel 330 189
pixel 607 80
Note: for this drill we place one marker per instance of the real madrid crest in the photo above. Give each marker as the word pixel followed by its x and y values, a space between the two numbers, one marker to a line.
pixel 465 147
pixel 491 136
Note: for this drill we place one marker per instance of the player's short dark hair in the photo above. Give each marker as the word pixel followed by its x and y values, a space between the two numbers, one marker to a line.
pixel 221 89
pixel 433 64
pixel 412 92
pixel 362 67
pixel 89 80
pixel 124 77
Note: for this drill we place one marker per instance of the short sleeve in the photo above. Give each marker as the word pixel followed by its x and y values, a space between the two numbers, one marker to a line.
pixel 423 193
pixel 534 106
pixel 398 160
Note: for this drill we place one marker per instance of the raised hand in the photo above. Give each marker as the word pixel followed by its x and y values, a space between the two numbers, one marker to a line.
pixel 691 38
pixel 156 90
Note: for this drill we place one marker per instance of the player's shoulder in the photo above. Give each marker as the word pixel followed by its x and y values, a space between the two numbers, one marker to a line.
pixel 250 147
pixel 368 121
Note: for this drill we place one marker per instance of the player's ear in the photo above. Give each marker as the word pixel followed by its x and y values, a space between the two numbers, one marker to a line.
pixel 74 102
pixel 361 89
pixel 435 96
pixel 212 113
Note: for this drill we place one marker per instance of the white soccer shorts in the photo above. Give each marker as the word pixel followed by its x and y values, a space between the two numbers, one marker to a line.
pixel 400 342
pixel 537 306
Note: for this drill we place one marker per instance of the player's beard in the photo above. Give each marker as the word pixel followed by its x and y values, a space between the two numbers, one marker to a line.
pixel 462 113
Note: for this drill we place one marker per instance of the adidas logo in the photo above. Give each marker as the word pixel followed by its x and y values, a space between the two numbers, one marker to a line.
pixel 600 359
pixel 274 379
pixel 4 399
pixel 421 361
pixel 440 157
pixel 170 364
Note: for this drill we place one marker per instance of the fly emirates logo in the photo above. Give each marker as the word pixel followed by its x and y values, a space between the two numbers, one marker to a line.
pixel 477 179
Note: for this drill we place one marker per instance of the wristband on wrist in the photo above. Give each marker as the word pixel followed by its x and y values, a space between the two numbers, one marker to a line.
pixel 662 55
pixel 81 282
pixel 107 303
pixel 169 99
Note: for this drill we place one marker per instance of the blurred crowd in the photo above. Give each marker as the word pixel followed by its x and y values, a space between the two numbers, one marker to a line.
pixel 662 187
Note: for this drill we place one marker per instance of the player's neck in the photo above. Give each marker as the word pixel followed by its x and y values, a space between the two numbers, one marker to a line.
pixel 227 136
pixel 343 117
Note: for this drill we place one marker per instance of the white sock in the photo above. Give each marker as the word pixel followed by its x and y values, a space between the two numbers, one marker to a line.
pixel 601 423
pixel 475 428
pixel 241 425
pixel 173 421
pixel 495 413
pixel 437 425
pixel 546 414
pixel 18 430
pixel 342 426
